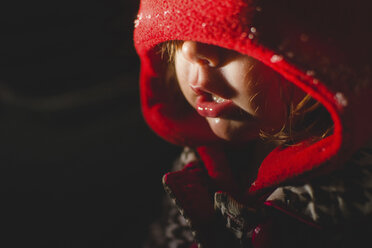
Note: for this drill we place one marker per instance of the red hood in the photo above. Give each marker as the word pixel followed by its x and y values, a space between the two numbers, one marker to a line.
pixel 323 48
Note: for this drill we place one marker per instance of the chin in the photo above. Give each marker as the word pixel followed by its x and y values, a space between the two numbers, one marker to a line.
pixel 233 131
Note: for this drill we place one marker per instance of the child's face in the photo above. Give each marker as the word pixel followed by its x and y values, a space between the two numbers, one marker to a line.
pixel 235 94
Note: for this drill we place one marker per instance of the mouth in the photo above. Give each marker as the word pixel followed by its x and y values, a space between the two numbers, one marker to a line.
pixel 218 99
pixel 209 105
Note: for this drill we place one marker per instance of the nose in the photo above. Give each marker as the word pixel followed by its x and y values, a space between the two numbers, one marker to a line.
pixel 208 59
pixel 200 53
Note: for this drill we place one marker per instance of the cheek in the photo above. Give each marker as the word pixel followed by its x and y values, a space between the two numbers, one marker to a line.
pixel 268 100
pixel 275 112
pixel 188 94
pixel 182 72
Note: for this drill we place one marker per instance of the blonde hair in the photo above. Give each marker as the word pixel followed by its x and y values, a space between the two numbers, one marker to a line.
pixel 306 120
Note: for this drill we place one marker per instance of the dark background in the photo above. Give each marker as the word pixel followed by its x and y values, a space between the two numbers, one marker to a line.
pixel 78 165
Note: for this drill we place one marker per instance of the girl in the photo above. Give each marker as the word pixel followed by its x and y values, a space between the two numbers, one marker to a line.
pixel 271 100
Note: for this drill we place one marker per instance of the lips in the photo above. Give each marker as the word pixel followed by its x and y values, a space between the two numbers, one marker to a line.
pixel 209 106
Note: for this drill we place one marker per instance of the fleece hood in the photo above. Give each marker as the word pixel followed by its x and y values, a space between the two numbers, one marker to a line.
pixel 323 47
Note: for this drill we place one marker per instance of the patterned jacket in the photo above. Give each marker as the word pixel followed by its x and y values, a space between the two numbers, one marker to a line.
pixel 311 194
pixel 326 212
